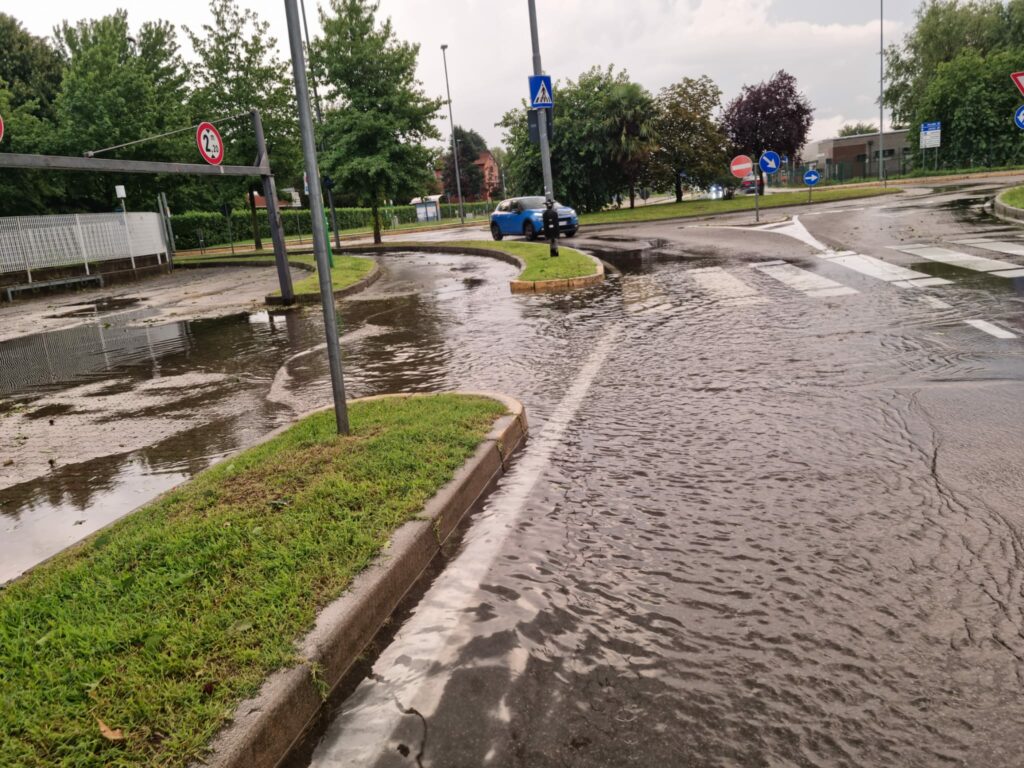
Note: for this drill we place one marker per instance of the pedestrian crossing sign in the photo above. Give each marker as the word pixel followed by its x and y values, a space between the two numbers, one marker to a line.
pixel 540 92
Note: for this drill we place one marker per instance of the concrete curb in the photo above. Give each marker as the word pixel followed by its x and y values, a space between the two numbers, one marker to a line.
pixel 314 298
pixel 266 727
pixel 1007 212
pixel 517 286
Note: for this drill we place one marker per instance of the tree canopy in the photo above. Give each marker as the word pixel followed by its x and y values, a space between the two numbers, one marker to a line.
pixel 857 129
pixel 471 144
pixel 770 115
pixel 380 118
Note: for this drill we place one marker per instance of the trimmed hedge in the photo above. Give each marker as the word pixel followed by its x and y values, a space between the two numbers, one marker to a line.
pixel 212 228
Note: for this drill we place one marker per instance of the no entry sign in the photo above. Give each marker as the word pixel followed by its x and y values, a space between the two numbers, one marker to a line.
pixel 211 147
pixel 741 165
pixel 1 127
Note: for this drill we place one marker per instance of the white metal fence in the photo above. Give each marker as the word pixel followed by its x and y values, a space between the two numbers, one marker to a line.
pixel 30 243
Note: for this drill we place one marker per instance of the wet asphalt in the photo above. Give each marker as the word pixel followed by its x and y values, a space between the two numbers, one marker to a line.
pixel 768 516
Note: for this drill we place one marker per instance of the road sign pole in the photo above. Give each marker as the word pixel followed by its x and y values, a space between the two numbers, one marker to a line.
pixel 317 206
pixel 757 197
pixel 284 273
pixel 542 121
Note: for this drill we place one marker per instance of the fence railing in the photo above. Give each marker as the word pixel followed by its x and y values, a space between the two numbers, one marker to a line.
pixel 30 243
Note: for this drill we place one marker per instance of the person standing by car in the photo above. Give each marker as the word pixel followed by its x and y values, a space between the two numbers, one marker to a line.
pixel 550 220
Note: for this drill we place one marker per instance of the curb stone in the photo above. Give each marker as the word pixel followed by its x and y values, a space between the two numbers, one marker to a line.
pixel 516 286
pixel 266 727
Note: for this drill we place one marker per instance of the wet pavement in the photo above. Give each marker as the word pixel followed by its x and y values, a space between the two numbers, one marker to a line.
pixel 768 516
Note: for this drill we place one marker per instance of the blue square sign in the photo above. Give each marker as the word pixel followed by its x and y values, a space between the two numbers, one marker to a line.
pixel 540 92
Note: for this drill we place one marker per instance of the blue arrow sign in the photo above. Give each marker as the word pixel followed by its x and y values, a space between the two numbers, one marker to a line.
pixel 1018 117
pixel 770 162
pixel 540 92
pixel 811 178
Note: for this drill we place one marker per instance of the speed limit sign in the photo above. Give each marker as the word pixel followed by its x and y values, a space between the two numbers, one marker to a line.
pixel 211 147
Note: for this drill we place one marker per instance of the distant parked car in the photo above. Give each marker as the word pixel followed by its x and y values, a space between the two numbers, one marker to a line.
pixel 715 192
pixel 522 216
pixel 748 185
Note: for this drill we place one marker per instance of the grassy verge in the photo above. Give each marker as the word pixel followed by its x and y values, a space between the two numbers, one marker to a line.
pixel 1013 197
pixel 135 648
pixel 347 270
pixel 711 207
pixel 539 264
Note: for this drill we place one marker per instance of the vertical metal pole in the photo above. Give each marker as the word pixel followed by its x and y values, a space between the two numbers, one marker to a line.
pixel 24 251
pixel 317 205
pixel 881 91
pixel 81 242
pixel 455 147
pixel 284 274
pixel 171 244
pixel 127 234
pixel 320 121
pixel 757 190
pixel 542 117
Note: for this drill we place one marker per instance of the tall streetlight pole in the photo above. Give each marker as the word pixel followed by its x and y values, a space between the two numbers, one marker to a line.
pixel 542 118
pixel 881 90
pixel 455 148
pixel 316 205
pixel 320 121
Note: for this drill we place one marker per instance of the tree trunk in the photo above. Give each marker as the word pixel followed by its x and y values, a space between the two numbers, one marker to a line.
pixel 632 196
pixel 255 221
pixel 376 224
pixel 679 189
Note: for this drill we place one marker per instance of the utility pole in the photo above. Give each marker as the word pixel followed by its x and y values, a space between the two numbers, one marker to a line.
pixel 542 118
pixel 881 91
pixel 320 122
pixel 455 146
pixel 316 204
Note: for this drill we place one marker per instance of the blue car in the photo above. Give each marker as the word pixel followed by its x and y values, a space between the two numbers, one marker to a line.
pixel 522 216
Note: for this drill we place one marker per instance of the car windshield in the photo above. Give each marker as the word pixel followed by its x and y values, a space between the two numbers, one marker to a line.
pixel 529 203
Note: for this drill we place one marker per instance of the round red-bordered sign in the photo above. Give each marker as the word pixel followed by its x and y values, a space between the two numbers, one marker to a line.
pixel 741 166
pixel 210 144
pixel 1 127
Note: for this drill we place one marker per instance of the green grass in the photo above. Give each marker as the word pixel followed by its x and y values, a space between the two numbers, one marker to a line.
pixel 1013 197
pixel 347 270
pixel 539 264
pixel 710 207
pixel 160 625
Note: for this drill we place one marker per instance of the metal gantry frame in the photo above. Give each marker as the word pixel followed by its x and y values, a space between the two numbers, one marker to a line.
pixel 261 168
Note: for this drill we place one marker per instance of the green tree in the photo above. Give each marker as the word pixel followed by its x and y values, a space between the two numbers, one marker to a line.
pixel 375 131
pixel 585 173
pixel 690 143
pixel 857 129
pixel 630 121
pixel 119 88
pixel 30 67
pixel 470 144
pixel 238 70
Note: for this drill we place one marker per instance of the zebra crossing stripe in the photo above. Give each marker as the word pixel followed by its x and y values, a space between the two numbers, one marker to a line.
pixel 804 281
pixel 992 330
pixel 957 259
pixel 725 286
pixel 882 270
pixel 998 246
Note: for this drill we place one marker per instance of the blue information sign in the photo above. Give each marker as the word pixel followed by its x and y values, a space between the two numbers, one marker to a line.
pixel 770 162
pixel 811 178
pixel 540 92
pixel 1018 117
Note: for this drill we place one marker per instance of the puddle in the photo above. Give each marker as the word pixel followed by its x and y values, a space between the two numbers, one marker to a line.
pixel 98 307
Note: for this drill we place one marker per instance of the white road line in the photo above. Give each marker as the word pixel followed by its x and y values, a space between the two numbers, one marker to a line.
pixel 725 286
pixel 935 303
pixel 999 246
pixel 928 282
pixel 956 259
pixel 993 330
pixel 1019 272
pixel 881 270
pixel 413 671
pixel 804 281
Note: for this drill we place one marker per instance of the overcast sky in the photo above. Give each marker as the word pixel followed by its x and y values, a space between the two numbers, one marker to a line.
pixel 831 46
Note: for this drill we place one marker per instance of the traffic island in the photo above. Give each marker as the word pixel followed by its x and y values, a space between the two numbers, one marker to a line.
pixel 1009 205
pixel 539 272
pixel 265 575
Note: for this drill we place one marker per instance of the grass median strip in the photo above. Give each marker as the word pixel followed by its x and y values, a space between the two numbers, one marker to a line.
pixel 135 648
pixel 1013 197
pixel 739 203
pixel 539 264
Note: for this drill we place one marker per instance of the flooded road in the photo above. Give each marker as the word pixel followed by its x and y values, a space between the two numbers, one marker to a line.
pixel 769 514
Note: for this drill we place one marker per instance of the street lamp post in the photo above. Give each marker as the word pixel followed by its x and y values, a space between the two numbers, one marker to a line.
pixel 451 119
pixel 542 122
pixel 881 90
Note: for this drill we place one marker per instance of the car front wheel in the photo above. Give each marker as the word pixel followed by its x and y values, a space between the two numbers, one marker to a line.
pixel 529 232
pixel 570 233
pixel 496 231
